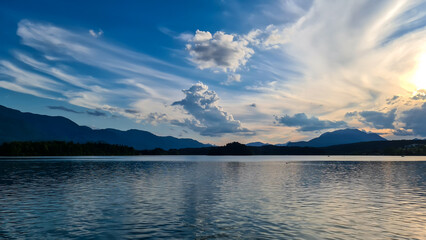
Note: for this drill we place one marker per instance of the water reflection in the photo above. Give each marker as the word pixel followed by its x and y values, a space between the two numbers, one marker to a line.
pixel 215 199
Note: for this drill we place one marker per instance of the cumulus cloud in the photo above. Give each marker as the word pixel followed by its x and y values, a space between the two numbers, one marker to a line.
pixel 306 124
pixel 414 120
pixel 379 120
pixel 209 119
pixel 221 51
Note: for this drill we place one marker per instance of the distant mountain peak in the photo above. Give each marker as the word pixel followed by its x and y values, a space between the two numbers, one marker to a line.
pixel 342 136
pixel 256 144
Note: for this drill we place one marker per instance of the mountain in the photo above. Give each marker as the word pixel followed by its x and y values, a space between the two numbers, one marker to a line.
pixel 257 144
pixel 344 136
pixel 19 126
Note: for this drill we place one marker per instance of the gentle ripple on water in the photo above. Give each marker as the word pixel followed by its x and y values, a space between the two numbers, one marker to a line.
pixel 204 198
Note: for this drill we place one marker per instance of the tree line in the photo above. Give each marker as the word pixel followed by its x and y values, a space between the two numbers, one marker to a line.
pixel 61 148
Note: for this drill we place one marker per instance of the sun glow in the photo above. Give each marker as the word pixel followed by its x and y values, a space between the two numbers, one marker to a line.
pixel 419 77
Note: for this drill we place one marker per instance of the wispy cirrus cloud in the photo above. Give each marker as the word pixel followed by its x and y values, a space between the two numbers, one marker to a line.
pixel 331 48
pixel 64 44
pixel 49 71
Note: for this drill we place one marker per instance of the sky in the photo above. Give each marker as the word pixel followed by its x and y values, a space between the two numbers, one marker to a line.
pixel 219 71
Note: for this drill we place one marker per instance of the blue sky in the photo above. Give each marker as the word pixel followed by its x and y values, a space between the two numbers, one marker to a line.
pixel 219 71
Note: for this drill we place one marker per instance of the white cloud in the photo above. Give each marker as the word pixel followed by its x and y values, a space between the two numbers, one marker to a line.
pixel 232 78
pixel 270 37
pixel 346 56
pixel 155 118
pixel 180 36
pixel 122 78
pixel 97 34
pixel 28 78
pixel 209 119
pixel 18 88
pixel 220 51
pixel 60 43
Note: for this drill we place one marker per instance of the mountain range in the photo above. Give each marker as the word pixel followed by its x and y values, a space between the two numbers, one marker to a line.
pixel 19 126
pixel 338 137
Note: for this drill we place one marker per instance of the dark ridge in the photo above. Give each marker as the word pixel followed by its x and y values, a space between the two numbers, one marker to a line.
pixel 19 126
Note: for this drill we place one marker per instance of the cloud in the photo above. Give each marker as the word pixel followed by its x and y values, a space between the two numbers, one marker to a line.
pixel 232 78
pixel 221 51
pixel 379 120
pixel 55 66
pixel 155 118
pixel 306 124
pixel 403 132
pixel 351 114
pixel 97 34
pixel 420 95
pixel 272 37
pixel 64 44
pixel 323 61
pixel 180 36
pixel 393 99
pixel 414 120
pixel 29 79
pixel 131 111
pixel 96 113
pixel 62 108
pixel 209 119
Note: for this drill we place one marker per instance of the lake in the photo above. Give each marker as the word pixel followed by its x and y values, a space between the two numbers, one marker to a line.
pixel 201 197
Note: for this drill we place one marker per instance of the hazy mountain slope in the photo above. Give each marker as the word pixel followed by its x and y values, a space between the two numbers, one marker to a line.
pixel 19 126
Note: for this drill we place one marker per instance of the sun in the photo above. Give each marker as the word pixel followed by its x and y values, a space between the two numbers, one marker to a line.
pixel 419 77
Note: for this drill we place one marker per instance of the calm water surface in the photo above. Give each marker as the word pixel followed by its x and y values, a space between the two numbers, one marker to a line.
pixel 260 197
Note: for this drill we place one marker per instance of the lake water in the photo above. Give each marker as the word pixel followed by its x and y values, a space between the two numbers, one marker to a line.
pixel 200 197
